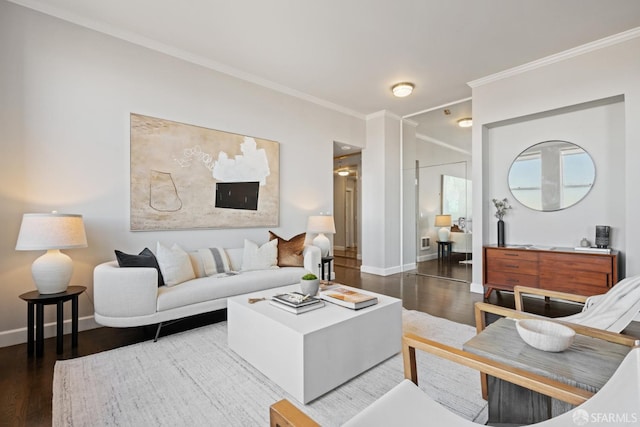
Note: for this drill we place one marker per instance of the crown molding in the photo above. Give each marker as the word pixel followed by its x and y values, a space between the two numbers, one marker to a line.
pixel 438 107
pixel 383 113
pixel 426 138
pixel 182 54
pixel 551 59
pixel 410 123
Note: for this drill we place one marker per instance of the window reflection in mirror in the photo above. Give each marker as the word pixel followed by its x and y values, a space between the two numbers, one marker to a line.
pixel 551 175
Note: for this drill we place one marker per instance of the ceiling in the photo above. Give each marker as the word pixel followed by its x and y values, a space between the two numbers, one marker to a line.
pixel 347 54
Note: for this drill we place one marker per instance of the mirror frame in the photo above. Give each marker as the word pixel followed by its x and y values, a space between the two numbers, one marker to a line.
pixel 558 184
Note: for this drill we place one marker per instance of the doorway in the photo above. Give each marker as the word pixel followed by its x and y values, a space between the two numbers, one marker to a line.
pixel 346 205
pixel 443 221
pixel 438 221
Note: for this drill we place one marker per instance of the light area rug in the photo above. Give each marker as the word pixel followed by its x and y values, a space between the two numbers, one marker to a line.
pixel 194 379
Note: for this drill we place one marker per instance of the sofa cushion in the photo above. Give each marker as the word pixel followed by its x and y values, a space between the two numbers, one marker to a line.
pixel 290 251
pixel 257 257
pixel 214 261
pixel 175 264
pixel 146 258
pixel 210 288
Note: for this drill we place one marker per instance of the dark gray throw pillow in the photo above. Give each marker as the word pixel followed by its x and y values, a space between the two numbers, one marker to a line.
pixel 146 258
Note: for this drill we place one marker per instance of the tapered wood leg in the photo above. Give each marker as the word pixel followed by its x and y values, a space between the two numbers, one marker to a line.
pixel 30 313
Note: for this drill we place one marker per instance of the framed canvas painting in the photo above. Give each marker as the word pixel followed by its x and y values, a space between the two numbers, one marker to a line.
pixel 187 177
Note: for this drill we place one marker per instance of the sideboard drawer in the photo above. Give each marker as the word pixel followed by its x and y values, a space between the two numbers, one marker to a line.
pixel 563 262
pixel 512 265
pixel 507 280
pixel 521 255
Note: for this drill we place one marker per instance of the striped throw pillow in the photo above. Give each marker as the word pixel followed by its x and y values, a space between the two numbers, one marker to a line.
pixel 215 261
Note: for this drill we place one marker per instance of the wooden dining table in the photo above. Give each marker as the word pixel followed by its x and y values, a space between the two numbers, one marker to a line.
pixel 587 364
pixel 524 385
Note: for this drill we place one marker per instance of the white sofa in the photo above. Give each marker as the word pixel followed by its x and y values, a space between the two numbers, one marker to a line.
pixel 130 296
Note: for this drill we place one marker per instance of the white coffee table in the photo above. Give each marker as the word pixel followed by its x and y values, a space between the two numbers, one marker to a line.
pixel 314 352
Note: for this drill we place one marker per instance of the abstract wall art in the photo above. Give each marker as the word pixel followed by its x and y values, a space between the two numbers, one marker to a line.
pixel 187 177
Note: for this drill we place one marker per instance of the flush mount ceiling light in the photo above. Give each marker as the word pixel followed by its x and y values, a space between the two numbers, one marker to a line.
pixel 346 147
pixel 402 89
pixel 465 123
pixel 344 172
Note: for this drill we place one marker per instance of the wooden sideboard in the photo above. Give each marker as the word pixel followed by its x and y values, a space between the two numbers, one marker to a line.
pixel 559 269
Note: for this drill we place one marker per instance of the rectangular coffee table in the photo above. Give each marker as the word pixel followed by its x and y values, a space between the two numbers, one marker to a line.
pixel 312 353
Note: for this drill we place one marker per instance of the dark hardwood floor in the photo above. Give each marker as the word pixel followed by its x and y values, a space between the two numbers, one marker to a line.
pixel 26 382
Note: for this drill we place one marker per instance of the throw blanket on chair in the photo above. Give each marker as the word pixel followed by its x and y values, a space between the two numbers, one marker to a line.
pixel 612 311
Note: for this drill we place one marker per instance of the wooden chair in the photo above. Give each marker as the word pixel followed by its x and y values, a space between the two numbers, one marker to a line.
pixel 406 404
pixel 612 311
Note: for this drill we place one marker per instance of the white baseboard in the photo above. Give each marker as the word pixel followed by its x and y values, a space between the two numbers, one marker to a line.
pixel 409 266
pixel 19 336
pixel 476 288
pixel 427 257
pixel 380 271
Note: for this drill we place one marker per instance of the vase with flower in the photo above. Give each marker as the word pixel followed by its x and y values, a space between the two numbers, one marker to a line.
pixel 501 209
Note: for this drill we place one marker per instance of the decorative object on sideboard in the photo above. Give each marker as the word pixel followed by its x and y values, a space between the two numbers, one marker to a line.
pixel 501 209
pixel 321 224
pixel 602 236
pixel 51 232
pixel 585 243
pixel 443 221
pixel 309 284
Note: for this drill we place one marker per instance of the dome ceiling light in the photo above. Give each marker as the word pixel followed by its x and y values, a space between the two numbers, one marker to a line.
pixel 402 89
pixel 465 123
pixel 344 172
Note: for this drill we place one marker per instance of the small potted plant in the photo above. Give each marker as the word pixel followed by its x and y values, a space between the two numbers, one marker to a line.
pixel 309 284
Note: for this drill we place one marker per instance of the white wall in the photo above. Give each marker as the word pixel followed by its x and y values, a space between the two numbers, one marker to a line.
pixel 67 93
pixel 604 204
pixel 381 195
pixel 575 80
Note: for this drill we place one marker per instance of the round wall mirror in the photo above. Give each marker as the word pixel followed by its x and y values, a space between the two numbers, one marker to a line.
pixel 551 175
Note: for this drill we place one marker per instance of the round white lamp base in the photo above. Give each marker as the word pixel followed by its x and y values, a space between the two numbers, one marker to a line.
pixel 323 243
pixel 52 272
pixel 444 234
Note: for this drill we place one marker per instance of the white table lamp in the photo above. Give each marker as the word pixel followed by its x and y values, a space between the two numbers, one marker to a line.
pixel 321 224
pixel 443 221
pixel 51 232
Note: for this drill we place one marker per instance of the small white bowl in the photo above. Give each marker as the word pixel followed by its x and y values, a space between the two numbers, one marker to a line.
pixel 545 335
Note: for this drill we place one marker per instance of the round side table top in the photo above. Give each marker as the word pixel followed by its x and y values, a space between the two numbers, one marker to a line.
pixel 35 296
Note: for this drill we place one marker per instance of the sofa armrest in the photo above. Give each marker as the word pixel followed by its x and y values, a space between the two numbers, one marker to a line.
pixel 312 259
pixel 124 292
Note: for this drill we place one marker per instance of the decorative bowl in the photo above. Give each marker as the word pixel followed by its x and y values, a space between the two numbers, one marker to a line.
pixel 545 335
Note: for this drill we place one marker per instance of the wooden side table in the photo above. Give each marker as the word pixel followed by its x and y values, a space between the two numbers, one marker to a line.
pixel 35 298
pixel 444 250
pixel 326 260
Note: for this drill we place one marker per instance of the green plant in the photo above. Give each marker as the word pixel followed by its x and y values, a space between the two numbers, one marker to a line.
pixel 309 276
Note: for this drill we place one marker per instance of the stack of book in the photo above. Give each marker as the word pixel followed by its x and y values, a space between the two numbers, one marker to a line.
pixel 348 297
pixel 295 302
pixel 593 249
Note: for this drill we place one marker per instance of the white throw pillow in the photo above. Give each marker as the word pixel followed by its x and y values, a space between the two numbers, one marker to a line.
pixel 175 264
pixel 214 261
pixel 262 257
pixel 196 263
